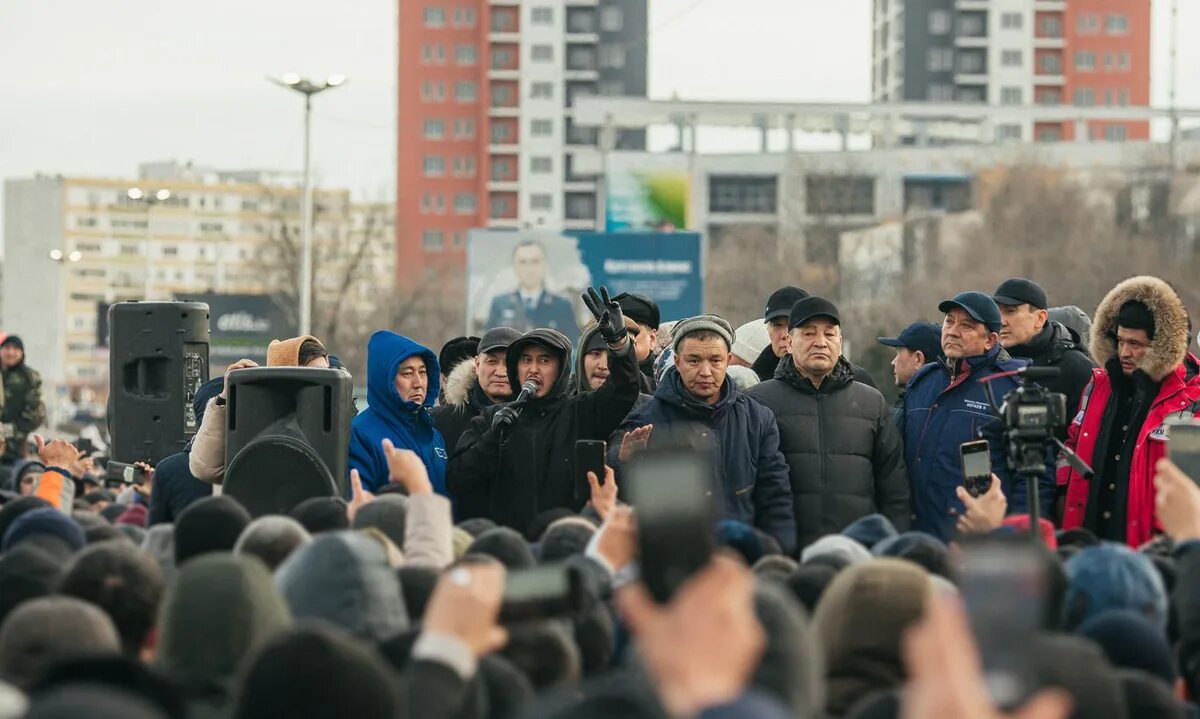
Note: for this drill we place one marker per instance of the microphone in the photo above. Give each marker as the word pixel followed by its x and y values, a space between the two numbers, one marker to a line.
pixel 528 390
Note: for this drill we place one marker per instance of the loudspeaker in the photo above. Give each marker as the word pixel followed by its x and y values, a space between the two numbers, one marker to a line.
pixel 158 358
pixel 287 437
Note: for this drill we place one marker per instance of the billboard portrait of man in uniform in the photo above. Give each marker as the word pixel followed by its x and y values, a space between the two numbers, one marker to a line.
pixel 532 305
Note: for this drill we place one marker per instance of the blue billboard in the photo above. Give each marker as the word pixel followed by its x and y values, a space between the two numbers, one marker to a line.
pixel 664 266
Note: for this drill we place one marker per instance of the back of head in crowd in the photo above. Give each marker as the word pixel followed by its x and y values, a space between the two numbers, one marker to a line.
pixel 212 524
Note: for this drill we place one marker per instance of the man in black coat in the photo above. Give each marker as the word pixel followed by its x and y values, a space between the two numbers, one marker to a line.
pixel 474 384
pixel 517 460
pixel 695 393
pixel 1027 333
pixel 779 307
pixel 843 449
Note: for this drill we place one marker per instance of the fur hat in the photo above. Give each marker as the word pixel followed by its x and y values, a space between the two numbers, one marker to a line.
pixel 1170 338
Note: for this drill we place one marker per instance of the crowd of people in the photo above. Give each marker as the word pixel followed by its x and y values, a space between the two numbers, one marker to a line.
pixel 840 585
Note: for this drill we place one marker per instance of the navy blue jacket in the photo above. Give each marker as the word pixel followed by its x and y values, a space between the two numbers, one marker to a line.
pixel 174 488
pixel 941 411
pixel 406 424
pixel 749 466
pixel 552 311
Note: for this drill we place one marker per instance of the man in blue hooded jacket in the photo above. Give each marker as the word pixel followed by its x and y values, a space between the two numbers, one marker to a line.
pixel 403 379
pixel 946 404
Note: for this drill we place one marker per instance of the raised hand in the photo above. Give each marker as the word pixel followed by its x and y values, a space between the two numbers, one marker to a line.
pixel 983 513
pixel 359 497
pixel 608 316
pixel 406 467
pixel 240 364
pixel 57 453
pixel 604 496
pixel 634 441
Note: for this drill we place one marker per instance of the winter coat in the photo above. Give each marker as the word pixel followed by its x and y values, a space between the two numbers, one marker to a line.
pixel 842 447
pixel 767 363
pixel 1165 363
pixel 513 476
pixel 943 409
pixel 1057 346
pixel 22 407
pixel 751 473
pixel 406 424
pixel 463 400
pixel 174 488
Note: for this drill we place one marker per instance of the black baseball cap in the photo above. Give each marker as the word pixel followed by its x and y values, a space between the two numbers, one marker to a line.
pixel 457 350
pixel 781 301
pixel 810 307
pixel 924 337
pixel 979 306
pixel 498 338
pixel 1020 291
pixel 639 308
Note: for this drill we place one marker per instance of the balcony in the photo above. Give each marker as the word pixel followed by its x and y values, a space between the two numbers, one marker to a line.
pixel 512 185
pixel 1049 43
pixel 971 41
pixel 1050 5
pixel 972 5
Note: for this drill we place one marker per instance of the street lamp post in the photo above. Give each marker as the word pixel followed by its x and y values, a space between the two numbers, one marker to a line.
pixel 148 200
pixel 306 87
pixel 63 260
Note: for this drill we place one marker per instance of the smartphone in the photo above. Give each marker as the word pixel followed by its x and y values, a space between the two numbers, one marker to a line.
pixel 1184 446
pixel 976 466
pixel 122 473
pixel 1003 582
pixel 671 493
pixel 589 457
pixel 553 590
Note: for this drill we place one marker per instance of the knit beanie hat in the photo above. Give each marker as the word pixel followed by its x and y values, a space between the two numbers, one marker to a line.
pixel 47 630
pixel 13 341
pixel 212 524
pixel 26 573
pixel 476 526
pixel 11 511
pixel 749 340
pixel 837 545
pixel 701 323
pixel 45 521
pixel 94 701
pixel 1113 576
pixel 272 538
pixel 870 530
pixel 924 550
pixel 506 545
pixel 565 538
pixel 1130 641
pixel 321 514
pixel 388 514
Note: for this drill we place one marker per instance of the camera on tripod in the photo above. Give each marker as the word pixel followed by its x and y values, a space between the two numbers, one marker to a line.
pixel 1032 417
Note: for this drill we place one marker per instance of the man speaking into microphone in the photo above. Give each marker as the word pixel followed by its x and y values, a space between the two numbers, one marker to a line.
pixel 517 460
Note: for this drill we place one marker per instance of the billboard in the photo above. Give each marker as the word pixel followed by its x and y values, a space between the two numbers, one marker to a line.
pixel 242 325
pixel 646 194
pixel 534 279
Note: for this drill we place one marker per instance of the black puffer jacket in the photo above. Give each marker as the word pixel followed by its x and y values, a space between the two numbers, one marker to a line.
pixel 511 479
pixel 767 363
pixel 842 447
pixel 465 399
pixel 1057 346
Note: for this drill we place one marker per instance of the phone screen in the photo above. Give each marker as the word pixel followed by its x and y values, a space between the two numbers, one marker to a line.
pixel 976 466
pixel 589 457
pixel 1184 448
pixel 536 583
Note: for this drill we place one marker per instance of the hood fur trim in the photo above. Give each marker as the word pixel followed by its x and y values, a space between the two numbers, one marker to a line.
pixel 1170 343
pixel 459 381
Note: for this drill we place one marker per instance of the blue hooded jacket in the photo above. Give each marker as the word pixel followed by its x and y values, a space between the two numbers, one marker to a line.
pixel 405 423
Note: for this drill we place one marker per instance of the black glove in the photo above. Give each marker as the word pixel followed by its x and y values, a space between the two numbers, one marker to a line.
pixel 506 417
pixel 608 315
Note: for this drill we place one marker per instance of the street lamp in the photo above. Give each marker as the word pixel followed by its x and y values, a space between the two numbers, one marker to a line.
pixel 306 87
pixel 137 194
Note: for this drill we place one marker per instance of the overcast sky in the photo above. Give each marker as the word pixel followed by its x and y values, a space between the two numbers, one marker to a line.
pixel 92 88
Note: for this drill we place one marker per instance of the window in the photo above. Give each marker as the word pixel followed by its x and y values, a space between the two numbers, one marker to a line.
pixel 939 22
pixel 1116 24
pixel 1109 62
pixel 1008 132
pixel 465 55
pixel 840 194
pixel 501 133
pixel 1011 58
pixel 581 20
pixel 941 59
pixel 1012 21
pixel 1049 97
pixel 541 165
pixel 742 194
pixel 464 166
pixel 970 94
pixel 1011 96
pixel 464 127
pixel 541 201
pixel 464 203
pixel 541 128
pixel 580 206
pixel 609 88
pixel 542 15
pixel 426 203
pixel 1051 26
pixel 971 26
pixel 1123 98
pixel 612 56
pixel 1085 60
pixel 541 90
pixel 502 96
pixel 542 53
pixel 85 221
pixel 1050 64
pixel 1108 98
pixel 1049 134
pixel 1086 24
pixel 464 17
pixel 434 129
pixel 503 21
pixel 433 91
pixel 501 58
pixel 212 227
pixel 435 166
pixel 458 239
pixel 1085 97
pixel 92 248
pixel 970 62
pixel 432 240
pixel 941 93
pixel 1114 133
pixel 435 16
pixel 1123 63
pixel 501 169
pixel 611 19
pixel 433 54
pixel 464 91
pixel 501 206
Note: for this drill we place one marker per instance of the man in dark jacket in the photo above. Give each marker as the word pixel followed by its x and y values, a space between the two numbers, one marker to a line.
pixel 916 346
pixel 473 384
pixel 592 360
pixel 1027 333
pixel 779 307
pixel 751 470
pixel 643 311
pixel 23 409
pixel 946 404
pixel 515 461
pixel 841 445
pixel 175 487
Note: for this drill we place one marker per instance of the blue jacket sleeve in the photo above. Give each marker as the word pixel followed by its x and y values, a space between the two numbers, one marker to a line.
pixel 774 512
pixel 365 459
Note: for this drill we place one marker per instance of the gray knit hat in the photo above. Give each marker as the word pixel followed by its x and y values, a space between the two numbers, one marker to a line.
pixel 701 323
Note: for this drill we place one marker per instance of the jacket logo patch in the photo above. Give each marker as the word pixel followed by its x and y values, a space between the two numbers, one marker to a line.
pixel 441 452
pixel 977 405
pixel 1161 433
pixel 1078 418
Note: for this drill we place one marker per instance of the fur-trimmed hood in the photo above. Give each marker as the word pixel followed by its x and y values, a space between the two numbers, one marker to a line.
pixel 1170 344
pixel 459 383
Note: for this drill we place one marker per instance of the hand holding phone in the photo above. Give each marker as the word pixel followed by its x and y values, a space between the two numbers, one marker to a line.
pixel 1183 448
pixel 976 466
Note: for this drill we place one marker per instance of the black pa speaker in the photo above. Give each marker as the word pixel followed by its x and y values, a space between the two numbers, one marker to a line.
pixel 158 358
pixel 287 437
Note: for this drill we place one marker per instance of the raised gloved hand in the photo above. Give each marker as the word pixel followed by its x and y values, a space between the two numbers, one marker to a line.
pixel 608 315
pixel 506 417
